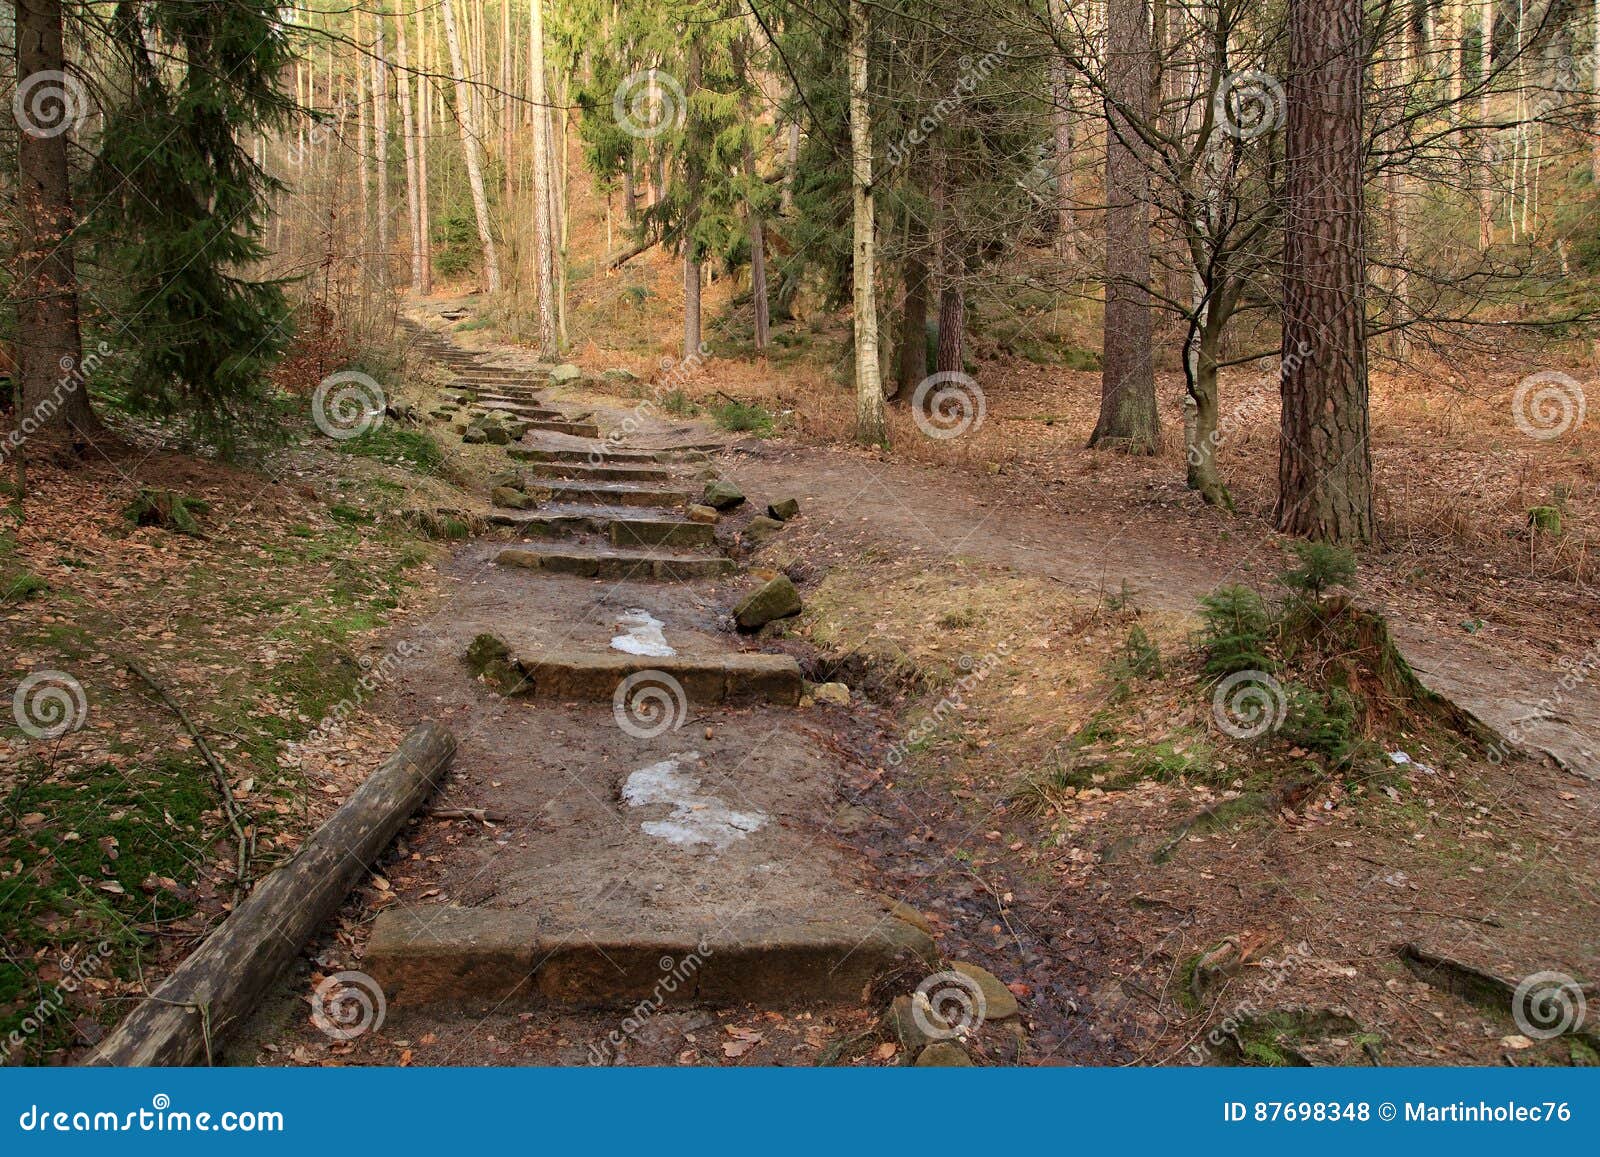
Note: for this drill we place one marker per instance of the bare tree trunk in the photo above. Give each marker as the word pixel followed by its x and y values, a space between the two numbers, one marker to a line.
pixel 363 142
pixel 691 304
pixel 1128 420
pixel 380 130
pixel 424 136
pixel 870 425
pixel 791 162
pixel 1485 138
pixel 549 340
pixel 952 326
pixel 912 366
pixel 408 130
pixel 49 344
pixel 506 105
pixel 1324 456
pixel 472 147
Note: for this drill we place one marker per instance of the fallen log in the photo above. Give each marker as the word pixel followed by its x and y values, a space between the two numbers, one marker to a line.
pixel 627 254
pixel 184 1019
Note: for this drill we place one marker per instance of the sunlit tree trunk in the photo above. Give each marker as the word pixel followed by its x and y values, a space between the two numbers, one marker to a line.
pixel 1485 137
pixel 424 136
pixel 870 425
pixel 408 131
pixel 471 146
pixel 380 131
pixel 1061 117
pixel 549 341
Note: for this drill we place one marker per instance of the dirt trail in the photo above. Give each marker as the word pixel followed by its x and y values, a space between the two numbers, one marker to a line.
pixel 941 514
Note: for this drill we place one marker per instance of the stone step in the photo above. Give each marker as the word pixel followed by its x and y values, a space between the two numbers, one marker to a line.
pixel 607 472
pixel 576 429
pixel 622 525
pixel 594 676
pixel 482 957
pixel 526 410
pixel 597 455
pixel 615 494
pixel 617 565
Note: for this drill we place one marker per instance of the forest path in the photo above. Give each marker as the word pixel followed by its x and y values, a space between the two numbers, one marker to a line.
pixel 1159 558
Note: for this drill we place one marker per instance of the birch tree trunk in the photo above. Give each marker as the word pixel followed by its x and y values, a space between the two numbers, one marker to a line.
pixel 408 131
pixel 424 138
pixel 544 268
pixel 472 146
pixel 1485 137
pixel 871 429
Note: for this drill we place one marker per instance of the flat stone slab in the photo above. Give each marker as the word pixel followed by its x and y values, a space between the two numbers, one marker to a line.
pixel 623 525
pixel 575 454
pixel 465 956
pixel 617 564
pixel 594 676
pixel 616 494
pixel 576 429
pixel 582 471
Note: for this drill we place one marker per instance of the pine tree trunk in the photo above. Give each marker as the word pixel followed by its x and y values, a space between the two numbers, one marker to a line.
pixel 691 305
pixel 408 131
pixel 1324 456
pixel 380 131
pixel 871 429
pixel 549 340
pixel 363 144
pixel 912 365
pixel 1128 421
pixel 1061 115
pixel 472 147
pixel 952 327
pixel 49 344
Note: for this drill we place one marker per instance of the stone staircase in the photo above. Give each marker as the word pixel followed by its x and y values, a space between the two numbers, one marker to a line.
pixel 653 781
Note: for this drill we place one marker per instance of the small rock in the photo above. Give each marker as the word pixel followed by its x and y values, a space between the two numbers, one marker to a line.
pixel 998 1001
pixel 620 375
pixel 784 510
pixel 761 528
pixel 509 499
pixel 834 694
pixel 912 1032
pixel 699 513
pixel 722 495
pixel 944 1054
pixel 566 372
pixel 778 599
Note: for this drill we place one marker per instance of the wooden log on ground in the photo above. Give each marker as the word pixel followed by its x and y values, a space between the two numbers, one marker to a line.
pixel 184 1019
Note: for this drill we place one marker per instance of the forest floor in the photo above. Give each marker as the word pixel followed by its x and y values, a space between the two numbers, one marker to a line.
pixel 1132 902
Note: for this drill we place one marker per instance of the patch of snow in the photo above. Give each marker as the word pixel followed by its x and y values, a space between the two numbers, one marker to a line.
pixel 696 820
pixel 643 635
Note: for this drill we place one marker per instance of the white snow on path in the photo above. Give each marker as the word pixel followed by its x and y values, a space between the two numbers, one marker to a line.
pixel 642 635
pixel 696 819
